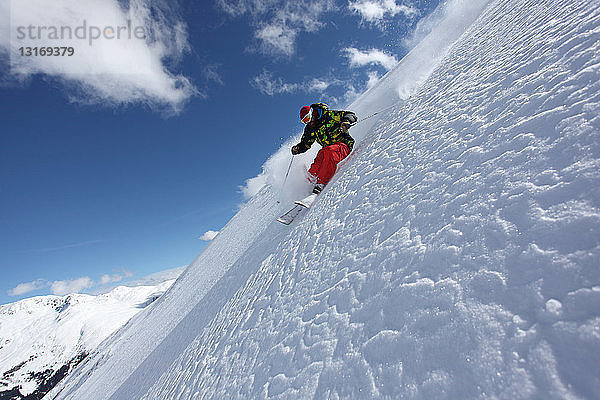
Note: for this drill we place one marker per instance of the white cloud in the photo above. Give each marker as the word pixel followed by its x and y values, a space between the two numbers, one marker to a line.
pixel 267 84
pixel 351 94
pixel 279 22
pixel 61 288
pixel 373 79
pixel 209 235
pixel 120 54
pixel 105 279
pixel 158 277
pixel 26 287
pixel 319 85
pixel 270 85
pixel 277 38
pixel 360 58
pixel 375 11
pixel 104 284
pixel 211 73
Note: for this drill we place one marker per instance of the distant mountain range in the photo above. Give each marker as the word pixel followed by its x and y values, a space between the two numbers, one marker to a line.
pixel 43 338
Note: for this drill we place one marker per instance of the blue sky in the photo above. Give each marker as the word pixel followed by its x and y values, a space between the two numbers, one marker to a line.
pixel 115 162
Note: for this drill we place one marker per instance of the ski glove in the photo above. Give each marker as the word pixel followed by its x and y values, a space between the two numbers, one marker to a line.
pixel 295 150
pixel 345 126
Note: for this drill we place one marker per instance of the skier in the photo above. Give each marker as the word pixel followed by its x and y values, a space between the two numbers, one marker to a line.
pixel 330 129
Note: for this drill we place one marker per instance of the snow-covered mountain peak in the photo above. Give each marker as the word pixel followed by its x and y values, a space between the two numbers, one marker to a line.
pixel 43 337
pixel 135 295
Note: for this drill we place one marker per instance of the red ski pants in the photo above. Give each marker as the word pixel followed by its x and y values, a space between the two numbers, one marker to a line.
pixel 327 160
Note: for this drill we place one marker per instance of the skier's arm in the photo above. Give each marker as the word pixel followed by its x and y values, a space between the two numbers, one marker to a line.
pixel 349 119
pixel 308 138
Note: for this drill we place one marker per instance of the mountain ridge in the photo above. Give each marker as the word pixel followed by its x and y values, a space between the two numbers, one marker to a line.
pixel 43 338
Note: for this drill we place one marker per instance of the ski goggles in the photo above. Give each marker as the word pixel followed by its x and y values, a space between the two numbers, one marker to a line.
pixel 306 118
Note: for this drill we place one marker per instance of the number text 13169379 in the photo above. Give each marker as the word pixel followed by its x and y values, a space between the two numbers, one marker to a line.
pixel 46 51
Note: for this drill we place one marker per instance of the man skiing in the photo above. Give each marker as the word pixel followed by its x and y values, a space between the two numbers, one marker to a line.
pixel 330 129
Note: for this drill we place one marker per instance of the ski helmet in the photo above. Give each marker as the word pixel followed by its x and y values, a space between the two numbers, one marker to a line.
pixel 305 114
pixel 317 112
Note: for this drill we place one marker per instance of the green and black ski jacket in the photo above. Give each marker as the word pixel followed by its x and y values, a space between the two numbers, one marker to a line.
pixel 326 131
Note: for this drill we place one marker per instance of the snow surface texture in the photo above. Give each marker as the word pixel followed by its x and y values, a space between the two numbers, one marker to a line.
pixel 455 256
pixel 47 332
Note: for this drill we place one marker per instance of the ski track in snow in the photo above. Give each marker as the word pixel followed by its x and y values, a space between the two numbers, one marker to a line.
pixel 455 257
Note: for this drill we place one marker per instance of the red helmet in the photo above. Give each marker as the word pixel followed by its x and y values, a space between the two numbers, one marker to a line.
pixel 305 114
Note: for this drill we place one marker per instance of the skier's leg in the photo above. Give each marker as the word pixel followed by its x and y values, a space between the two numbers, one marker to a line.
pixel 316 165
pixel 332 155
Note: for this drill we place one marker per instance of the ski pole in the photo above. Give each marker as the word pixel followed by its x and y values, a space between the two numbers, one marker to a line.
pixel 374 114
pixel 287 173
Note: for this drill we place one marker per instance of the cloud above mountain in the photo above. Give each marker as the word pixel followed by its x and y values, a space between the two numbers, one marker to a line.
pixel 85 284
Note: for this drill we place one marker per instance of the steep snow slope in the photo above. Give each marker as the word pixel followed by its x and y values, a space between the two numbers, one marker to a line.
pixel 456 255
pixel 138 354
pixel 41 335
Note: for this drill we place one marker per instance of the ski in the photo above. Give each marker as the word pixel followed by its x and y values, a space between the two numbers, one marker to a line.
pixel 300 205
pixel 289 216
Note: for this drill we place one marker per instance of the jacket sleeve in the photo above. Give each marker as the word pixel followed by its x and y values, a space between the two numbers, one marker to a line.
pixel 308 138
pixel 350 117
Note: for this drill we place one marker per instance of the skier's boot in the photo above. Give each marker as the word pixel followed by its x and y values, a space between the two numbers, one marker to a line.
pixel 318 188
